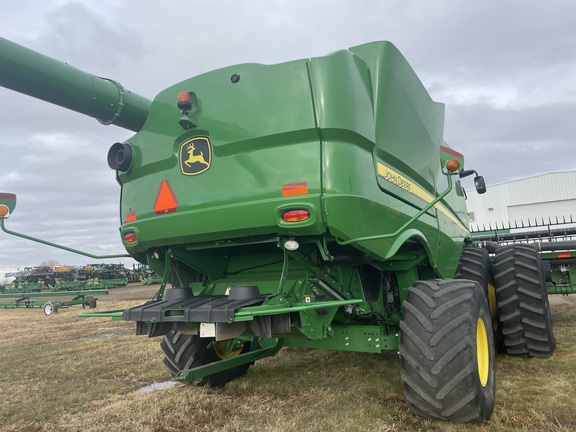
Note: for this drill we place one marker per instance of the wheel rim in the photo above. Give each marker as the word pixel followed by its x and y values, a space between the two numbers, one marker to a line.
pixel 220 350
pixel 482 352
pixel 492 300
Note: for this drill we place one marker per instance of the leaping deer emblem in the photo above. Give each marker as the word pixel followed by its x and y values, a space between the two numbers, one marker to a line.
pixel 194 158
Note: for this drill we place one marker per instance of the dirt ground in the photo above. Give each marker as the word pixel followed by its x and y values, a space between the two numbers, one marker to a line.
pixel 562 300
pixel 133 291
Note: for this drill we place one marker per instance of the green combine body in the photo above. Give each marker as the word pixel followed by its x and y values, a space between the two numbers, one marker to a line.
pixel 314 204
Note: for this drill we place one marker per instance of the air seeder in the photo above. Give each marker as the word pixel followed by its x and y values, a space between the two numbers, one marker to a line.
pixel 311 204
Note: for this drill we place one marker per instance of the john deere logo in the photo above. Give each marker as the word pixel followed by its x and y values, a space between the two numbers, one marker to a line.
pixel 195 156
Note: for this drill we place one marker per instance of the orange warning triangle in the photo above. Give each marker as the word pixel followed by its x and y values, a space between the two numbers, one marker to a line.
pixel 166 201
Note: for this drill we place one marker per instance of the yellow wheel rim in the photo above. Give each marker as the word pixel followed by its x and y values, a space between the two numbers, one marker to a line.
pixel 492 301
pixel 220 350
pixel 482 352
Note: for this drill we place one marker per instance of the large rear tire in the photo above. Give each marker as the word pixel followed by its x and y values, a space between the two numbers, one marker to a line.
pixel 523 302
pixel 447 351
pixel 475 264
pixel 183 351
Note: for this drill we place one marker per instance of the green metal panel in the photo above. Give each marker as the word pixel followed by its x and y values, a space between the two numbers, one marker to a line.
pixel 328 123
pixel 263 136
pixel 562 270
pixel 361 338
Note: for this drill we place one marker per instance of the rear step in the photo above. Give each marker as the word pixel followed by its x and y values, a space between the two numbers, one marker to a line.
pixel 214 309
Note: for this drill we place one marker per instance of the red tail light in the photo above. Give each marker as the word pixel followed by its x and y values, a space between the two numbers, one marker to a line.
pixel 130 237
pixel 295 216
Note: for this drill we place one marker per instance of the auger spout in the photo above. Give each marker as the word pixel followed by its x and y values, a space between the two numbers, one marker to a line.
pixel 26 71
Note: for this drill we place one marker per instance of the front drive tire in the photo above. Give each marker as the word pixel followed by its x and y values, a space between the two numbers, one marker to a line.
pixel 184 351
pixel 447 351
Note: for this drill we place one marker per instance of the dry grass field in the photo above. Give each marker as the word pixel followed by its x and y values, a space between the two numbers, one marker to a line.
pixel 64 373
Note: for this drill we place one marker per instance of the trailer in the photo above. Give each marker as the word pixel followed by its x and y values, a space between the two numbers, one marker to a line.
pixel 50 301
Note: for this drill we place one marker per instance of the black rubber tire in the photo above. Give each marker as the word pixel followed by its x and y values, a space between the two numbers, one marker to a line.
pixel 50 308
pixel 91 303
pixel 523 302
pixel 442 361
pixel 184 351
pixel 475 264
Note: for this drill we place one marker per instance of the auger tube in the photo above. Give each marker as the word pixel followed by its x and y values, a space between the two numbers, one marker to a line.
pixel 29 72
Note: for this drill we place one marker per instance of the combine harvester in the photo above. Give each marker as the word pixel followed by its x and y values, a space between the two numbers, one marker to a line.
pixel 310 204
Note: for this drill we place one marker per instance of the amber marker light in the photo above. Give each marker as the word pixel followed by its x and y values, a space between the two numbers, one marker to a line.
pixel 295 216
pixel 452 165
pixel 290 189
pixel 130 237
pixel 184 102
pixel 4 210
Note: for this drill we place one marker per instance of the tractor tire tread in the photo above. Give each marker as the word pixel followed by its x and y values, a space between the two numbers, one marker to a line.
pixel 185 351
pixel 438 351
pixel 523 302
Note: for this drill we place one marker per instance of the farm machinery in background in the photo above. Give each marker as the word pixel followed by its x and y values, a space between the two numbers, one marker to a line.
pixel 67 278
pixel 50 287
pixel 310 204
pixel 555 240
pixel 50 301
pixel 106 275
pixel 38 278
pixel 144 274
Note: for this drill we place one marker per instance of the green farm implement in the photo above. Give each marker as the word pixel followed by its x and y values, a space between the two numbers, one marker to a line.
pixel 45 277
pixel 311 204
pixel 50 301
pixel 106 275
pixel 555 241
pixel 90 284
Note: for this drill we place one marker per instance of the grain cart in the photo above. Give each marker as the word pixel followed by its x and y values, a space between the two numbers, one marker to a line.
pixel 311 204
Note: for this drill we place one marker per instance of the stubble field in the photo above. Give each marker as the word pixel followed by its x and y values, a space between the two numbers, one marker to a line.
pixel 65 373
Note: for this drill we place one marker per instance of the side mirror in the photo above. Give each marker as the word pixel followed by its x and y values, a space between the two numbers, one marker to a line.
pixel 7 204
pixel 480 184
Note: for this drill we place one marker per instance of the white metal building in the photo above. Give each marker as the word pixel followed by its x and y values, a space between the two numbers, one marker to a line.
pixel 524 201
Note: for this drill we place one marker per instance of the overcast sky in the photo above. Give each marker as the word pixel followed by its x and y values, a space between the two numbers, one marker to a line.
pixel 506 71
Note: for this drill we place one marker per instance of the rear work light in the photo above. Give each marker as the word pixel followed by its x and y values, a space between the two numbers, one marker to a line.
pixel 295 216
